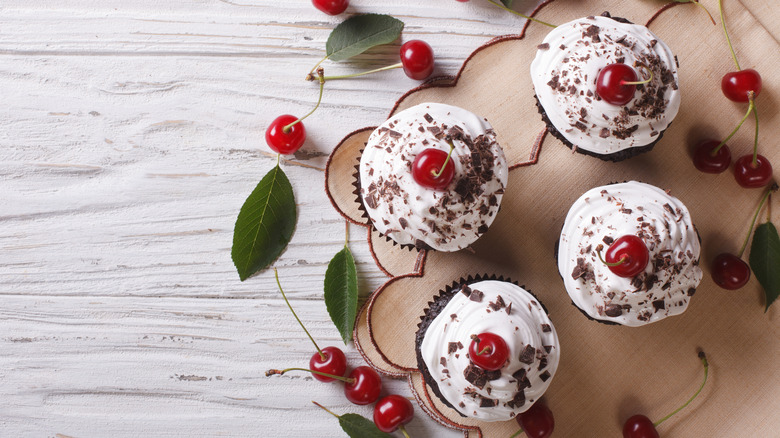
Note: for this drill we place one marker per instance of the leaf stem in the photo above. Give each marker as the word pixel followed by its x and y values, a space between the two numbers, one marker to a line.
pixel 443 166
pixel 521 15
pixel 354 75
pixel 286 129
pixel 403 431
pixel 751 107
pixel 755 216
pixel 322 355
pixel 320 373
pixel 703 359
pixel 326 409
pixel 346 234
pixel 723 22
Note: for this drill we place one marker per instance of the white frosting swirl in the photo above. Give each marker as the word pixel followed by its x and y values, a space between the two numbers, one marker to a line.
pixel 446 220
pixel 564 74
pixel 662 221
pixel 526 326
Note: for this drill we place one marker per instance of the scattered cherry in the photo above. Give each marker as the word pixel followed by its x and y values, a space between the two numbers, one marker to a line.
pixel 427 164
pixel 537 421
pixel 729 271
pixel 392 412
pixel 488 351
pixel 736 85
pixel 750 176
pixel 639 426
pixel 611 84
pixel 335 362
pixel 331 7
pixel 285 142
pixel 708 162
pixel 364 386
pixel 417 59
pixel 627 256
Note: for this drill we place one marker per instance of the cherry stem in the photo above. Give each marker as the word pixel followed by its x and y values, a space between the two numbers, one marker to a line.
pixel 622 260
pixel 751 108
pixel 723 22
pixel 346 233
pixel 332 376
pixel 326 409
pixel 755 217
pixel 640 82
pixel 698 3
pixel 354 75
pixel 516 433
pixel 320 73
pixel 443 166
pixel 485 350
pixel 703 359
pixel 322 355
pixel 310 76
pixel 522 15
pixel 755 139
pixel 403 431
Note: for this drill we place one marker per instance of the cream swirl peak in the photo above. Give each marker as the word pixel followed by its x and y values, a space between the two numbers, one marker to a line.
pixel 504 309
pixel 564 74
pixel 601 216
pixel 408 213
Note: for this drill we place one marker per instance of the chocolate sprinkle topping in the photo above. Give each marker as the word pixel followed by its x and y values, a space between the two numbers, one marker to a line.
pixel 476 296
pixel 475 375
pixel 528 354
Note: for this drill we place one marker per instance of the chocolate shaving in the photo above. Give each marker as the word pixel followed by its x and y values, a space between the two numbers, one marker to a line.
pixel 475 375
pixel 476 296
pixel 528 354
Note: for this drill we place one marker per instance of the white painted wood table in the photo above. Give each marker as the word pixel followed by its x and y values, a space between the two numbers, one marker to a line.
pixel 132 131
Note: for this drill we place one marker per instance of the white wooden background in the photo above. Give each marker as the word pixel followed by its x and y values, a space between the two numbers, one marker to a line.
pixel 131 132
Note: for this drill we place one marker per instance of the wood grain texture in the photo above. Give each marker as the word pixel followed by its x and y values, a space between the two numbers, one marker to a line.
pixel 132 133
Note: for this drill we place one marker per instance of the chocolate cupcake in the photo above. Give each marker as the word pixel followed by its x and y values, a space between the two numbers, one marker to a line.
pixel 447 218
pixel 457 318
pixel 600 221
pixel 564 75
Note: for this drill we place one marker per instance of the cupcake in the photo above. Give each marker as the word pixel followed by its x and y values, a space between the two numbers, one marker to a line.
pixel 471 319
pixel 650 241
pixel 405 195
pixel 565 73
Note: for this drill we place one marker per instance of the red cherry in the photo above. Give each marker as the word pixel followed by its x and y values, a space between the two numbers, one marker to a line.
pixel 735 85
pixel 537 421
pixel 392 412
pixel 331 7
pixel 706 162
pixel 729 271
pixel 632 254
pixel 750 176
pixel 365 386
pixel 427 164
pixel 639 426
pixel 611 85
pixel 335 363
pixel 417 59
pixel 488 351
pixel 285 142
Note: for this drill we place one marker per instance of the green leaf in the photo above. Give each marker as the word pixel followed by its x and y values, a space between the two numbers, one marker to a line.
pixel 357 426
pixel 341 292
pixel 507 3
pixel 359 33
pixel 265 224
pixel 765 260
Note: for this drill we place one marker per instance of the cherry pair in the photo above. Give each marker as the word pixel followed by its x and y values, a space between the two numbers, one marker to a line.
pixel 712 156
pixel 286 134
pixel 363 384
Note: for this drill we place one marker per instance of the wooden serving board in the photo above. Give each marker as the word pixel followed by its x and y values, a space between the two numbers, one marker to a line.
pixel 606 373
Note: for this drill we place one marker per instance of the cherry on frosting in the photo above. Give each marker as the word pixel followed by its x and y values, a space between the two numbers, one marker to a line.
pixel 616 83
pixel 427 169
pixel 627 256
pixel 488 351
